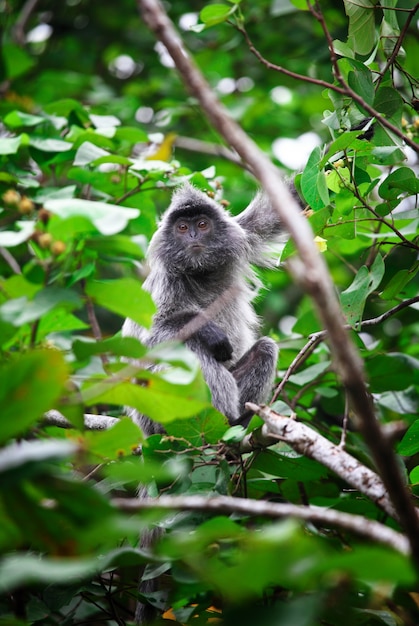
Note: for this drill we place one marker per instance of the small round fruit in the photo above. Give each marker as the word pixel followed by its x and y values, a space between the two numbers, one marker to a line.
pixel 25 206
pixel 58 247
pixel 11 197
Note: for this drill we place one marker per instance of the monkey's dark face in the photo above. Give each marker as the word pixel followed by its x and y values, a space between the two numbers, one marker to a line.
pixel 194 234
pixel 197 237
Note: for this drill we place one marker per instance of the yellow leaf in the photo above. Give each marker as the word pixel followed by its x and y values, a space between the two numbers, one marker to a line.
pixel 321 243
pixel 164 151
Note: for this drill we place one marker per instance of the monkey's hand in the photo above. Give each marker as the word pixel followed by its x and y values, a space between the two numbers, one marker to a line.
pixel 216 341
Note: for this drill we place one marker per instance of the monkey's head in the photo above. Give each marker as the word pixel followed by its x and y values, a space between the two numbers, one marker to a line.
pixel 196 235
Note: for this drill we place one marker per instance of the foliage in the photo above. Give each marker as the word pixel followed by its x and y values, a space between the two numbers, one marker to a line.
pixel 82 182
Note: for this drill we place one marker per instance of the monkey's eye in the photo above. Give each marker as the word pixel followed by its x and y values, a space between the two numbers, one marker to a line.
pixel 182 227
pixel 203 224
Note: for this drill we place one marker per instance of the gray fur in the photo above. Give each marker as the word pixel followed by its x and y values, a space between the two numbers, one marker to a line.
pixel 181 283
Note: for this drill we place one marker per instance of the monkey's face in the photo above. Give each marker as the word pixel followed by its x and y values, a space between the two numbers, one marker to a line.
pixel 195 243
pixel 193 234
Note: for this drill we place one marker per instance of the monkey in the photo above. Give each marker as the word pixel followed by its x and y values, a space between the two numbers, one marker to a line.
pixel 199 256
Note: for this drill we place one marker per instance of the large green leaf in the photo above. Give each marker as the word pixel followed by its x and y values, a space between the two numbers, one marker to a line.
pixel 353 299
pixel 109 219
pixel 361 14
pixel 162 401
pixel 124 296
pixel 390 372
pixel 30 385
pixel 313 182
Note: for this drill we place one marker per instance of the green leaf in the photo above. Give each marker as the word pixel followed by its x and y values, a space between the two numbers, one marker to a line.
pixel 300 4
pixel 343 142
pixel 89 152
pixel 409 445
pixel 121 346
pixel 216 14
pixel 209 426
pixel 124 296
pixel 17 119
pixel 16 60
pixel 160 400
pixel 397 283
pixel 49 145
pixel 273 464
pixel 109 219
pixel 361 35
pixel 25 453
pixel 9 145
pixel 360 79
pixel 354 297
pixel 145 470
pixel 28 569
pixel 309 373
pixel 30 386
pixel 400 180
pixel 114 443
pixel 313 182
pixel 389 102
pixel 116 245
pixel 11 238
pixel 20 311
pixel 390 372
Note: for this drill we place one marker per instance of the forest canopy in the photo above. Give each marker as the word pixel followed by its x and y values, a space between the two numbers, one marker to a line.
pixel 307 516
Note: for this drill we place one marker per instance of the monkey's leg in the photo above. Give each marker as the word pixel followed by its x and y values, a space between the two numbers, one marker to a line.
pixel 255 373
pixel 223 386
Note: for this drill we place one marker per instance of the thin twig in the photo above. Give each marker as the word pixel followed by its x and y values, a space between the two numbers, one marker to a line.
pixel 10 260
pixel 316 338
pixel 22 20
pixel 344 90
pixel 399 41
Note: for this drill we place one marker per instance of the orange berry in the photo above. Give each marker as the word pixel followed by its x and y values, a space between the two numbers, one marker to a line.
pixel 45 240
pixel 11 196
pixel 58 247
pixel 25 206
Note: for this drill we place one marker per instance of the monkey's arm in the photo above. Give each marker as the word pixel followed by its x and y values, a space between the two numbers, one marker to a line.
pixel 262 225
pixel 208 336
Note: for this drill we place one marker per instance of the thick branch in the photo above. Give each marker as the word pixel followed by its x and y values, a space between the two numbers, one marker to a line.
pixel 306 441
pixel 357 524
pixel 312 273
pixel 91 422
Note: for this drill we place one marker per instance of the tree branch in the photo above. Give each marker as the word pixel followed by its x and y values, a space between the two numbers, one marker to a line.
pixel 305 440
pixel 356 524
pixel 91 422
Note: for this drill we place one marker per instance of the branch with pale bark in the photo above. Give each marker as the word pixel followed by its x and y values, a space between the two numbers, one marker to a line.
pixel 361 526
pixel 309 270
pixel 308 442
